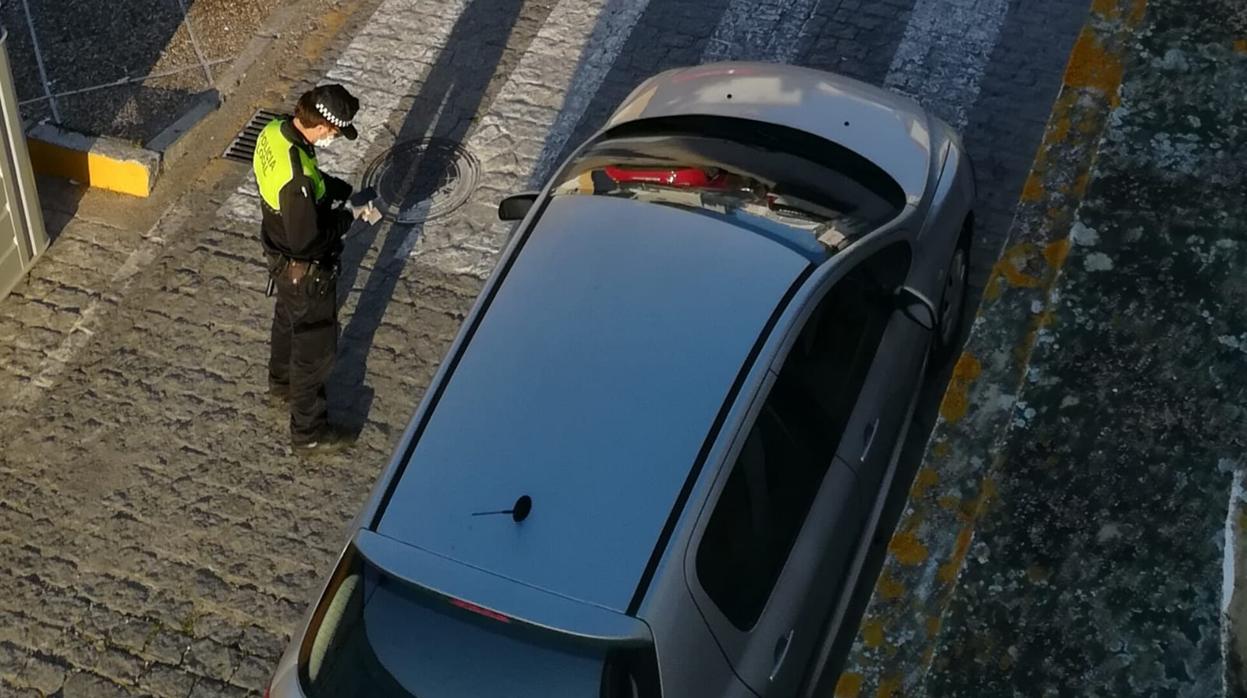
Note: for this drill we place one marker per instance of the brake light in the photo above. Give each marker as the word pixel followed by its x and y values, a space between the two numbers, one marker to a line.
pixel 480 611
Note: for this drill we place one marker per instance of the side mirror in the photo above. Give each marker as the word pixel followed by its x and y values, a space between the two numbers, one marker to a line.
pixel 515 207
pixel 917 307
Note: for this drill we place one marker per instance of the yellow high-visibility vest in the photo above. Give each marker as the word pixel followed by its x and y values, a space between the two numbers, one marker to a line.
pixel 273 167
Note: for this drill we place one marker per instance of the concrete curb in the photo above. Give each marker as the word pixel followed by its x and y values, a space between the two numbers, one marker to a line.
pixel 97 161
pixel 897 639
pixel 104 162
pixel 171 142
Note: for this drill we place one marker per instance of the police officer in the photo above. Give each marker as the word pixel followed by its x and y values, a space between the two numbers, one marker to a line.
pixel 302 231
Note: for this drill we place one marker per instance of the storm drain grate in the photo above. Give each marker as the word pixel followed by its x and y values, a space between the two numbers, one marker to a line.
pixel 420 180
pixel 243 147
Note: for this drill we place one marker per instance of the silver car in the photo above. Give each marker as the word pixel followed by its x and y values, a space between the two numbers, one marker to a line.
pixel 652 460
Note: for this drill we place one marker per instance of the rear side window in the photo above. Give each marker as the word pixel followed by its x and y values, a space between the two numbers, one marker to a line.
pixel 374 636
pixel 760 512
pixel 791 445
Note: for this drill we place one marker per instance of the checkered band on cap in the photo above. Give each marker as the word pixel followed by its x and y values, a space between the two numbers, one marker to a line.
pixel 330 117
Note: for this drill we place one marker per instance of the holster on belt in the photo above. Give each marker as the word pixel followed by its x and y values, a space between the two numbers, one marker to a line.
pixel 298 272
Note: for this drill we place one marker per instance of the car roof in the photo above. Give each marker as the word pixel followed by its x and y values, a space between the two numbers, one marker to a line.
pixel 589 384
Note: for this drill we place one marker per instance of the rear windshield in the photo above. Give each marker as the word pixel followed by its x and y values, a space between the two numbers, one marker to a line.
pixel 741 169
pixel 379 637
pixel 375 636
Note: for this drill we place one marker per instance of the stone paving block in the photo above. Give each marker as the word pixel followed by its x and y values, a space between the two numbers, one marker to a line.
pixel 208 688
pixel 81 684
pixel 244 243
pixel 38 342
pixel 211 659
pixel 65 616
pixel 63 269
pixel 260 642
pixel 165 680
pixel 29 311
pixel 10 329
pixel 12 656
pixel 7 688
pixel 253 673
pixel 119 665
pixel 44 675
pixel 64 299
pixel 134 635
pixel 48 626
pixel 79 652
pixel 87 243
pixel 168 645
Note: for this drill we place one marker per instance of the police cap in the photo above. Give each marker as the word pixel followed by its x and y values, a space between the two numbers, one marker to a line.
pixel 338 107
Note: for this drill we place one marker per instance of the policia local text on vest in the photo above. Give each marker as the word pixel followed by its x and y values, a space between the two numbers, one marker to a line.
pixel 304 221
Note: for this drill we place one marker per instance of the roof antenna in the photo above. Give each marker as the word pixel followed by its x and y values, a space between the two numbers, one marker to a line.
pixel 520 511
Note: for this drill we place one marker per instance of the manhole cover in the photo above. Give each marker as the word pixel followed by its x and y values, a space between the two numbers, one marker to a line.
pixel 418 181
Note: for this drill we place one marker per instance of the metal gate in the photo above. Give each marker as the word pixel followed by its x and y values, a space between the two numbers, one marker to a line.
pixel 22 235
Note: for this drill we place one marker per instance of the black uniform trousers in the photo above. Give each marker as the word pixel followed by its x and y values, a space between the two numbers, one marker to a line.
pixel 304 343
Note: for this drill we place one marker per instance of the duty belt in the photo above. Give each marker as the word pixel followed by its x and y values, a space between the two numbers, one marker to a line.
pixel 316 271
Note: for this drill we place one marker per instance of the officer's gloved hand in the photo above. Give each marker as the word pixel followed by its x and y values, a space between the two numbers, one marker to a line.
pixel 337 190
pixel 361 206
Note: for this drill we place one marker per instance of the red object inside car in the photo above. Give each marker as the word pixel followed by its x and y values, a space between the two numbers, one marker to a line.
pixel 671 177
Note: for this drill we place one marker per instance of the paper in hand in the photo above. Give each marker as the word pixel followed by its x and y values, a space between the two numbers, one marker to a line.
pixel 361 205
pixel 368 212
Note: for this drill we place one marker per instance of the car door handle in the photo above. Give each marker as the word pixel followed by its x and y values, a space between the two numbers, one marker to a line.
pixel 781 653
pixel 869 438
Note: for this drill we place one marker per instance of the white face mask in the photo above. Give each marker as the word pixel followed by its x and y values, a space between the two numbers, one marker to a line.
pixel 327 140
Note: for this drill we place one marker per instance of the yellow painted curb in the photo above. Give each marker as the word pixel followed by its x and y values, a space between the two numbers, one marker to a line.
pixel 98 162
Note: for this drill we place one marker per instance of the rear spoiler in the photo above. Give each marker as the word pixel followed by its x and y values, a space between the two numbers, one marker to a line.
pixel 501 598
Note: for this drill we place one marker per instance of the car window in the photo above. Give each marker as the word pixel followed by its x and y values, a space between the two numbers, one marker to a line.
pixel 790 446
pixel 739 169
pixel 375 636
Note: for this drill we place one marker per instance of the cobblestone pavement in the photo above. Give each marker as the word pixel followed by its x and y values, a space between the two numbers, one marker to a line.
pixel 162 541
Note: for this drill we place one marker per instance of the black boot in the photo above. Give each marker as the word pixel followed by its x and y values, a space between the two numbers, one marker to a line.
pixel 327 439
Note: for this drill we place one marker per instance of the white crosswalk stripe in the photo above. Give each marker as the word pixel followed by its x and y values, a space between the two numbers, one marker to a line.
pixel 759 31
pixel 944 53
